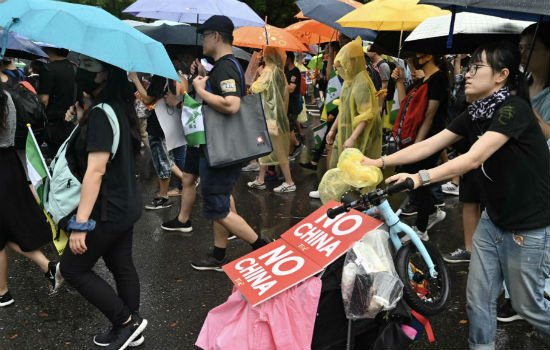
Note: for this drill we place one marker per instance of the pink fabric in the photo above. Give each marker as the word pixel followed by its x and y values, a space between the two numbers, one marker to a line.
pixel 280 323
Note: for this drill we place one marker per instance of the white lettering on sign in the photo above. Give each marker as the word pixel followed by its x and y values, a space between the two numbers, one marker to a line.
pixel 336 228
pixel 277 267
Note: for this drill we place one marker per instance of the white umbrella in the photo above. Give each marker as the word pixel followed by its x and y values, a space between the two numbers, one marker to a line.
pixel 470 30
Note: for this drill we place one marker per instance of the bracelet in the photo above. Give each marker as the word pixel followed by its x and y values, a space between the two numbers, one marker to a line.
pixel 383 162
pixel 87 226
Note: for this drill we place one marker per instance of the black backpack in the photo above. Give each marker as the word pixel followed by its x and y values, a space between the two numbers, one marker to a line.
pixel 29 110
pixel 374 75
pixel 391 82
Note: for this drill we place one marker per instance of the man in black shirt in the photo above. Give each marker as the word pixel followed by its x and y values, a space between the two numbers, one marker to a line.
pixel 221 90
pixel 58 92
pixel 293 78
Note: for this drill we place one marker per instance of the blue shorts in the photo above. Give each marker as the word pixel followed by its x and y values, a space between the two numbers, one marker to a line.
pixel 161 160
pixel 216 183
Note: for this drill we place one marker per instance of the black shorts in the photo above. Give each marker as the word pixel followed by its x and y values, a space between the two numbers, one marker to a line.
pixel 292 118
pixel 469 190
pixel 216 183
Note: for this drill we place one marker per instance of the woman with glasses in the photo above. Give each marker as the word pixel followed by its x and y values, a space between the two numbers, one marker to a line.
pixel 512 239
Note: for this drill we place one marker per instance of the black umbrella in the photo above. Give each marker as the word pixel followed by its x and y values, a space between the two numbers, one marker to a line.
pixel 328 12
pixel 171 33
pixel 387 43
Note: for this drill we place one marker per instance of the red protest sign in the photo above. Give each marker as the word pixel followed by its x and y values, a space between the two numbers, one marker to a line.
pixel 269 270
pixel 302 251
pixel 323 239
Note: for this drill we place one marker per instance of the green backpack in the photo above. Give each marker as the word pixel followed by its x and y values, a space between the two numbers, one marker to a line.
pixel 62 192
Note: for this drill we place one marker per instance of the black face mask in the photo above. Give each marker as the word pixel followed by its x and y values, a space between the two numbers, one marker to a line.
pixel 417 64
pixel 86 80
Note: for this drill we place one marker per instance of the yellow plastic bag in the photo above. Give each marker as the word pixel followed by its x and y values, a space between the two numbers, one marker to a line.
pixel 354 173
pixel 332 186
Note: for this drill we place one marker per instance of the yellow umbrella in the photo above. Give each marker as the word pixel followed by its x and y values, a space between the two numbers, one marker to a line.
pixel 402 15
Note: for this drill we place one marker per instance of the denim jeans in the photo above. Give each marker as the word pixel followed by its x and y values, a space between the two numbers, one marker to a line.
pixel 520 257
pixel 161 159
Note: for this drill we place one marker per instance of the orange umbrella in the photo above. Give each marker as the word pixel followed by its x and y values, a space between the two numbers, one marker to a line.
pixel 353 3
pixel 255 37
pixel 312 32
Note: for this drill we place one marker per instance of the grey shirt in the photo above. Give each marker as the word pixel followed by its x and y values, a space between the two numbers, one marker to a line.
pixel 385 72
pixel 7 133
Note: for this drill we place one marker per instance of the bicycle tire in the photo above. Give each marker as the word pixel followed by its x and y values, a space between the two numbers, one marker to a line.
pixel 416 302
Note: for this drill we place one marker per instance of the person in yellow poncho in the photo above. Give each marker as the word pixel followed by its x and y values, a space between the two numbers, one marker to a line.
pixel 358 123
pixel 273 87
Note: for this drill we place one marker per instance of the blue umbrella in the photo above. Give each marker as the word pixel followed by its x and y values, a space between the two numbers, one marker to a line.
pixel 329 11
pixel 527 10
pixel 88 30
pixel 196 11
pixel 21 47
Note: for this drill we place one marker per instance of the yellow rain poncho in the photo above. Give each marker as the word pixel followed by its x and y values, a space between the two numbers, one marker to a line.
pixel 357 103
pixel 272 85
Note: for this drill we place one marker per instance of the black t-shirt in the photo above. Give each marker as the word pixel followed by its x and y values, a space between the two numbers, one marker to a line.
pixel 516 178
pixel 225 79
pixel 58 81
pixel 157 90
pixel 119 182
pixel 438 89
pixel 293 76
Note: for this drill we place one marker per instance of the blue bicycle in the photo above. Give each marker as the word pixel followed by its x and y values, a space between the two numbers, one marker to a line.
pixel 427 286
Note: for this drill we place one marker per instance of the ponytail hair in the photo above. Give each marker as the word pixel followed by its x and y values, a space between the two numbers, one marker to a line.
pixel 505 54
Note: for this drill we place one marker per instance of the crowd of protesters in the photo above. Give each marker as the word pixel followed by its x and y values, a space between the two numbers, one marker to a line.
pixel 482 135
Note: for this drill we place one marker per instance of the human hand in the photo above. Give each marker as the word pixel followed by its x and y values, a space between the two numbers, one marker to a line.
pixel 199 83
pixel 397 74
pixel 349 143
pixel 132 76
pixel 330 117
pixel 171 99
pixel 77 242
pixel 74 113
pixel 371 162
pixel 398 178
pixel 197 68
pixel 418 74
pixel 330 137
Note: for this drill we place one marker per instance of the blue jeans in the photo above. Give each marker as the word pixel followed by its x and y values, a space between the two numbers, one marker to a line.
pixel 161 159
pixel 522 257
pixel 179 156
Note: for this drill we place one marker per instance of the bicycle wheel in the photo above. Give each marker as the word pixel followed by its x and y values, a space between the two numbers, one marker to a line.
pixel 424 294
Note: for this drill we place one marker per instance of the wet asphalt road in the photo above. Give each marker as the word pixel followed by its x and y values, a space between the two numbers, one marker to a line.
pixel 175 298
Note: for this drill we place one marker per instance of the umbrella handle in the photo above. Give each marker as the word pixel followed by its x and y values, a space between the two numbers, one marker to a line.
pixel 5 36
pixel 532 44
pixel 451 28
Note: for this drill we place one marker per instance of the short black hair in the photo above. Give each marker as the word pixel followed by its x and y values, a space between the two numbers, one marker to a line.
pixel 59 51
pixel 227 38
pixel 290 55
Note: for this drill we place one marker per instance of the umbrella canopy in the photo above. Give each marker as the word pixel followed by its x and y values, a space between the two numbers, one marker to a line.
pixel 171 33
pixel 316 62
pixel 353 3
pixel 88 30
pixel 470 30
pixel 20 47
pixel 328 11
pixel 390 15
pixel 312 32
pixel 196 11
pixel 530 10
pixel 387 43
pixel 255 37
pixel 241 54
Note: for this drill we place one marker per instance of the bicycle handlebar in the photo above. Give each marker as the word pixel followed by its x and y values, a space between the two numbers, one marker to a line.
pixel 408 184
pixel 333 212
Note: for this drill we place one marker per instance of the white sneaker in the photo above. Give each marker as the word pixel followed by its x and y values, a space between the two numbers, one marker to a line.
pixel 257 185
pixel 450 188
pixel 284 188
pixel 314 195
pixel 254 166
pixel 436 217
pixel 422 235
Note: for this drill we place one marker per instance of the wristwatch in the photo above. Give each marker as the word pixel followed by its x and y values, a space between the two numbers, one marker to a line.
pixel 424 177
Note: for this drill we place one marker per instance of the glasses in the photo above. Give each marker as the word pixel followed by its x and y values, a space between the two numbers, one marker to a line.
pixel 472 68
pixel 205 34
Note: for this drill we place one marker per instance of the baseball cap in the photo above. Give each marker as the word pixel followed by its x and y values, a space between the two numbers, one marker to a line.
pixel 217 23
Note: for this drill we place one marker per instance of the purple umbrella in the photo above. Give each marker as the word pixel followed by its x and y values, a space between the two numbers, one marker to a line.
pixel 196 11
pixel 20 47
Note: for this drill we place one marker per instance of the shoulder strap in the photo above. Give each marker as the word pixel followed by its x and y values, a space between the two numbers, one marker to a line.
pixel 113 120
pixel 243 88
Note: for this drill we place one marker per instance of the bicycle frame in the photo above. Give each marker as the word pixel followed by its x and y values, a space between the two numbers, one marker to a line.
pixel 386 213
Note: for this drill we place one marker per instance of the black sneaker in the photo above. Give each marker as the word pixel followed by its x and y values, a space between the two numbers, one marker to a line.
pixel 176 225
pixel 104 339
pixel 54 276
pixel 461 255
pixel 6 299
pixel 209 263
pixel 159 203
pixel 506 313
pixel 297 150
pixel 309 166
pixel 122 336
pixel 409 209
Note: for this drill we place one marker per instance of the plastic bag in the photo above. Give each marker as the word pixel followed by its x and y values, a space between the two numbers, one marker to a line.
pixel 333 186
pixel 370 283
pixel 356 174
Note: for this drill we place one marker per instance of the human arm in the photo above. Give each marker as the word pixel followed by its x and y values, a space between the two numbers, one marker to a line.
pixel 224 104
pixel 140 89
pixel 397 75
pixel 332 132
pixel 424 128
pixel 45 99
pixel 91 184
pixel 543 125
pixel 350 142
pixel 480 151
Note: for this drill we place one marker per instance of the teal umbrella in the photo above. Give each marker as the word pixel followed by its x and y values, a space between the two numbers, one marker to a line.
pixel 88 30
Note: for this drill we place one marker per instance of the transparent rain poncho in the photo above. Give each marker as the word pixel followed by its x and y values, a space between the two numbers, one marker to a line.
pixel 357 103
pixel 272 85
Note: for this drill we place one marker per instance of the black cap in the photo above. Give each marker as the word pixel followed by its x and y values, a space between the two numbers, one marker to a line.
pixel 217 23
